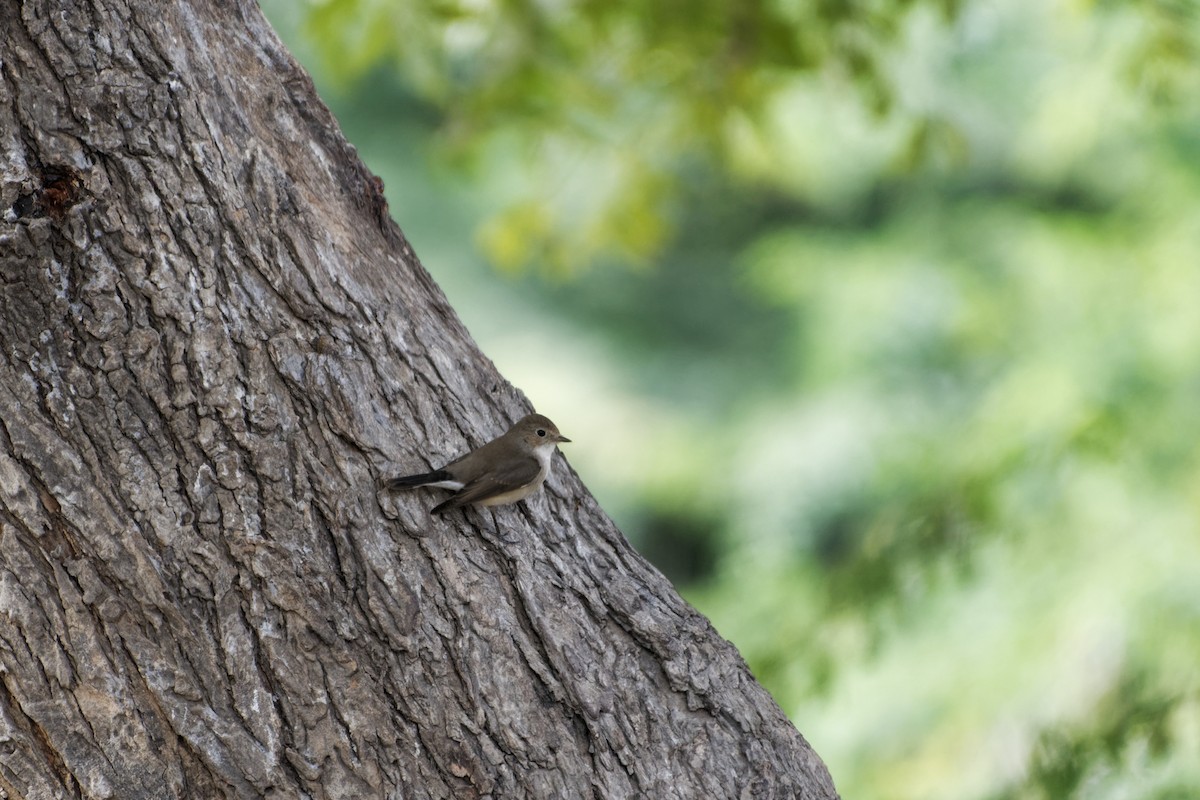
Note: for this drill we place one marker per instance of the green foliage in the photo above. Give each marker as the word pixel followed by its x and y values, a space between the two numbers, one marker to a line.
pixel 1139 738
pixel 600 102
pixel 898 375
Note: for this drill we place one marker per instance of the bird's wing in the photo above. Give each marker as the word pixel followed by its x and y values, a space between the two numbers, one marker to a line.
pixel 518 474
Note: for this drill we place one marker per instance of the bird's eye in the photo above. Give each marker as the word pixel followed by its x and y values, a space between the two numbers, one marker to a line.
pixel 541 432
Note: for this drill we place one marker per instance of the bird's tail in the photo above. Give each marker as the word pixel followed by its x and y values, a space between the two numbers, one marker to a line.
pixel 412 481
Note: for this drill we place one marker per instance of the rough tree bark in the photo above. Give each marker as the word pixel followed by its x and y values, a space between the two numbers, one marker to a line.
pixel 214 342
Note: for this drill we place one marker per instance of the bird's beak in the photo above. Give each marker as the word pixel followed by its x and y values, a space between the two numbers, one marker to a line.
pixel 562 439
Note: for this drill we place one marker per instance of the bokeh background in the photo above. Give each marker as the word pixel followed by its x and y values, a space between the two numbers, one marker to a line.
pixel 876 328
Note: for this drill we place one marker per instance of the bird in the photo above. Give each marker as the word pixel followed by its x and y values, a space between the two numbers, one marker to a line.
pixel 507 469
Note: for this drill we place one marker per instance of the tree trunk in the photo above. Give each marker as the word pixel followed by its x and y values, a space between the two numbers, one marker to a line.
pixel 215 341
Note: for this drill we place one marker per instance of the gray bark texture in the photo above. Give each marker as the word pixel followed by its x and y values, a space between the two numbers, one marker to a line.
pixel 213 343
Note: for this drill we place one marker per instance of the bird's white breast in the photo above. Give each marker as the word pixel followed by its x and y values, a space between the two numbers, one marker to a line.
pixel 543 455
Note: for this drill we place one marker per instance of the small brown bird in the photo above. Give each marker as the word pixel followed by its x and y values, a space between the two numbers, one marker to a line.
pixel 506 469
